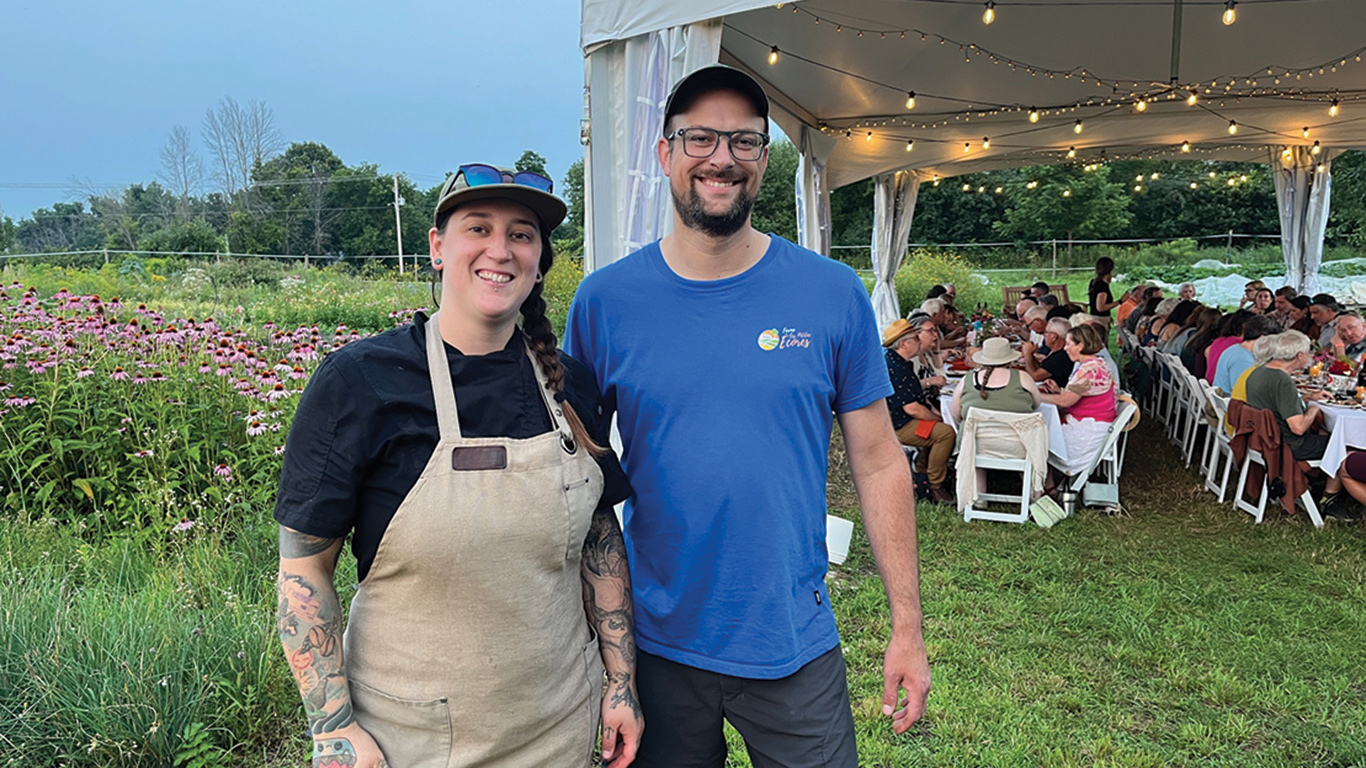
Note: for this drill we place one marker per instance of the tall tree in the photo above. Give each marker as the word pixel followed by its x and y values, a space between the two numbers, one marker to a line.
pixel 297 186
pixel 775 208
pixel 571 189
pixel 531 161
pixel 7 232
pixel 181 170
pixel 239 138
pixel 1067 203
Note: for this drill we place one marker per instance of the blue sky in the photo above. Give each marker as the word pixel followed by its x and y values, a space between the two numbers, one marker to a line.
pixel 90 90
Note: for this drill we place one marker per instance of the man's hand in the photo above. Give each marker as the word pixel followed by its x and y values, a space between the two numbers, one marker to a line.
pixel 622 724
pixel 347 747
pixel 905 667
pixel 1029 348
pixel 934 381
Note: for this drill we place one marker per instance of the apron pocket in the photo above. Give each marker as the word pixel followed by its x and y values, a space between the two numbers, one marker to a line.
pixel 412 733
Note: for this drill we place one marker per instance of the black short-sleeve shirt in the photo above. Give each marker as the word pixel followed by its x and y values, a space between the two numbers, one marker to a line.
pixel 1059 366
pixel 906 388
pixel 1097 289
pixel 366 427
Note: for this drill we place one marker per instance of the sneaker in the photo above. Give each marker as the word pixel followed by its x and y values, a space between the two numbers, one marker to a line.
pixel 1342 510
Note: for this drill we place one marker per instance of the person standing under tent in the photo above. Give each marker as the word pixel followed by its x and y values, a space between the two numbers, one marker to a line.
pixel 726 425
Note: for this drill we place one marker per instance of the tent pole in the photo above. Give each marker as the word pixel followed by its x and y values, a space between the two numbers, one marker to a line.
pixel 1176 41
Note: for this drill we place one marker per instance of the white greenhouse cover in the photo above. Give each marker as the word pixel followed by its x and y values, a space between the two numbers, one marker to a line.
pixel 846 68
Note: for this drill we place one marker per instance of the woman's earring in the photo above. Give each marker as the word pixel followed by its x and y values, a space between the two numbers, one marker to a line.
pixel 539 277
pixel 437 262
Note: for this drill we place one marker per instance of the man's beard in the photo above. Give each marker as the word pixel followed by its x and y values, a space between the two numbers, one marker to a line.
pixel 695 217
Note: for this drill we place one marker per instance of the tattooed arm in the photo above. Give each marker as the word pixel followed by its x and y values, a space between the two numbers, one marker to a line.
pixel 607 602
pixel 309 622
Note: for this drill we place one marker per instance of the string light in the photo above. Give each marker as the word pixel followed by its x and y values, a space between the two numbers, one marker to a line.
pixel 1191 99
pixel 967 187
pixel 1071 152
pixel 936 179
pixel 1139 177
pixel 966 147
pixel 989 15
pixel 986 142
pixel 1067 193
pixel 1141 105
pixel 1033 115
pixel 1076 128
pixel 1230 15
pixel 1320 168
pixel 1185 146
pixel 869 137
pixel 910 100
pixel 1194 185
pixel 999 190
pixel 1154 177
pixel 1314 150
pixel 910 145
pixel 1232 127
pixel 1333 109
pixel 1306 131
pixel 1138 187
pixel 773 55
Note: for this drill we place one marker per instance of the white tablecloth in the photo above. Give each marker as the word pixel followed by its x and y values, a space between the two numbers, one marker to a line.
pixel 1346 429
pixel 1056 446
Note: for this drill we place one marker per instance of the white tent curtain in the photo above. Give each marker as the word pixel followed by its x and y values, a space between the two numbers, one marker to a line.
pixel 893 206
pixel 1302 198
pixel 813 193
pixel 626 194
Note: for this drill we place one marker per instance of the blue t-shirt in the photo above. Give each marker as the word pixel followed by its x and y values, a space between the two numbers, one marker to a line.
pixel 1231 365
pixel 724 392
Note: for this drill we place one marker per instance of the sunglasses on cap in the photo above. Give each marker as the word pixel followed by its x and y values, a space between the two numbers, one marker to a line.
pixel 479 175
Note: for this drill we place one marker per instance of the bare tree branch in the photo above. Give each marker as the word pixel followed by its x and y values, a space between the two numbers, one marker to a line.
pixel 181 169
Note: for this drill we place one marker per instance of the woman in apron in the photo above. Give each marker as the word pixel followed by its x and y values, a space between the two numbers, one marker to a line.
pixel 467 459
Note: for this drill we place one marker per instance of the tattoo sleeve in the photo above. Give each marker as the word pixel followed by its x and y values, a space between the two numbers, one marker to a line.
pixel 607 603
pixel 309 623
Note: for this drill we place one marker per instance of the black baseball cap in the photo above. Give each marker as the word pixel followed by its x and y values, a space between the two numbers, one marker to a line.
pixel 717 77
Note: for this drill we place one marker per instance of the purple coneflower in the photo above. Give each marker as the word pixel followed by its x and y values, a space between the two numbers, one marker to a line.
pixel 184 525
pixel 84 371
pixel 223 470
pixel 256 428
pixel 142 454
pixel 119 374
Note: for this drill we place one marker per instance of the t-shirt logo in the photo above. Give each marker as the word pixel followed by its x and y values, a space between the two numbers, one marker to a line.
pixel 788 337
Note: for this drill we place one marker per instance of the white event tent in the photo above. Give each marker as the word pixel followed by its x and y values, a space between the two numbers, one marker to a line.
pixel 910 92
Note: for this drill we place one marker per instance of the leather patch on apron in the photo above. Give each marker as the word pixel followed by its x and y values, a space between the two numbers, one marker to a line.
pixel 476 457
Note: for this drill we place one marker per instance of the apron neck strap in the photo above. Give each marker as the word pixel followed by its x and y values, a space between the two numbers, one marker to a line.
pixel 447 418
pixel 556 412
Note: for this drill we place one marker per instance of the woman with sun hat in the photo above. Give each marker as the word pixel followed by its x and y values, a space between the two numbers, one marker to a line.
pixel 468 459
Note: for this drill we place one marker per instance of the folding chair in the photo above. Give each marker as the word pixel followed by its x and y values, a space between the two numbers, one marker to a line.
pixel 1258 510
pixel 1218 450
pixel 1099 483
pixel 983 422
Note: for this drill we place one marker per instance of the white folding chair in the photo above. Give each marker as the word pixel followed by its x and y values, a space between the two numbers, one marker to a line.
pixel 1197 426
pixel 1258 510
pixel 1099 483
pixel 996 425
pixel 1218 450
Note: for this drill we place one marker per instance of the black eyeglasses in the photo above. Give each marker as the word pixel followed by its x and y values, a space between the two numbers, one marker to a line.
pixel 701 143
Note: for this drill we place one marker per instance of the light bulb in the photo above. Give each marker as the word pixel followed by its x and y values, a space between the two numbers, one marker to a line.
pixel 1194 185
pixel 1154 177
pixel 1306 131
pixel 1319 168
pixel 989 15
pixel 936 179
pixel 1230 15
pixel 1243 178
pixel 1033 115
pixel 1141 105
pixel 773 55
pixel 1333 109
pixel 1139 177
pixel 869 137
pixel 1067 193
pixel 1191 99
pixel 1071 151
pixel 910 100
pixel 999 190
pixel 1232 127
pixel 1231 182
pixel 1138 188
pixel 1185 146
pixel 986 142
pixel 910 144
pixel 967 187
pixel 1211 174
pixel 1077 128
pixel 966 147
pixel 1316 148
pixel 981 189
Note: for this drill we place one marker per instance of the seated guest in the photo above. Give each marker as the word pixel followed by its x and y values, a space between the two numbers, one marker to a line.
pixel 1150 327
pixel 1238 358
pixel 917 421
pixel 1281 304
pixel 1193 354
pixel 1352 475
pixel 1131 301
pixel 1229 333
pixel 1186 292
pixel 1299 318
pixel 1035 320
pixel 1088 401
pixel 1175 322
pixel 1048 301
pixel 1270 387
pixel 1144 308
pixel 1017 324
pixel 1040 289
pixel 1051 361
pixel 1325 310
pixel 950 336
pixel 1177 342
pixel 994 385
pixel 1250 294
pixel 1350 340
pixel 1263 302
pixel 1081 318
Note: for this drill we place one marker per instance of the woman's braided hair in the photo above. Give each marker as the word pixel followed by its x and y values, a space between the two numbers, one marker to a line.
pixel 540 336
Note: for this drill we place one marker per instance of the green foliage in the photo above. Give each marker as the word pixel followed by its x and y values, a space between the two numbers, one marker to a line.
pixel 1180 273
pixel 531 161
pixel 197 749
pixel 1347 214
pixel 923 269
pixel 1067 203
pixel 775 208
pixel 196 236
pixel 8 233
pixel 571 189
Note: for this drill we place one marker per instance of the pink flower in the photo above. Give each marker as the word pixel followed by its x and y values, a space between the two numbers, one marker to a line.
pixel 139 379
pixel 184 525
pixel 204 368
pixel 223 470
pixel 223 369
pixel 84 371
pixel 256 428
pixel 279 450
pixel 19 402
pixel 142 454
pixel 158 376
pixel 119 374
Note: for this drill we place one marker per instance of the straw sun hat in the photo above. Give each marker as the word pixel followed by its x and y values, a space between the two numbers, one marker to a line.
pixel 996 351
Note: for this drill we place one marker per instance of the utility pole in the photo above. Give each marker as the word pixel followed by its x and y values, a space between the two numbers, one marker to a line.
pixel 398 226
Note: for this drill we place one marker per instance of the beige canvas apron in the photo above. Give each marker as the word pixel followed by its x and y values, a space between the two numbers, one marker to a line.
pixel 467 643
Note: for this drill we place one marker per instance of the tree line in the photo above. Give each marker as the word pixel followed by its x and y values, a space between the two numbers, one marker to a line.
pixel 248 191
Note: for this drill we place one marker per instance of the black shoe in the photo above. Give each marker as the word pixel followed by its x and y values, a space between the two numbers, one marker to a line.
pixel 1342 510
pixel 940 495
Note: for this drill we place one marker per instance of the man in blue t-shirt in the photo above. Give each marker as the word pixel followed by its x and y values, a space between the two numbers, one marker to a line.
pixel 726 354
pixel 1239 357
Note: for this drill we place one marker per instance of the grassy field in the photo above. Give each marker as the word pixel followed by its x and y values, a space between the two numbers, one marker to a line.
pixel 1180 634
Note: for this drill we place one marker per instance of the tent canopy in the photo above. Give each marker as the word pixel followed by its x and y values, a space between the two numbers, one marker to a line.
pixel 849 65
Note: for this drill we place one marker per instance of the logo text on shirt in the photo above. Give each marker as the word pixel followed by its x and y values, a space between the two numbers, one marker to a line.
pixel 785 338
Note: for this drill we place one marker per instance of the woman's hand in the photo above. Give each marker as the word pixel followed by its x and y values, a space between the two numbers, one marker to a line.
pixel 1050 386
pixel 347 747
pixel 622 724
pixel 934 381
